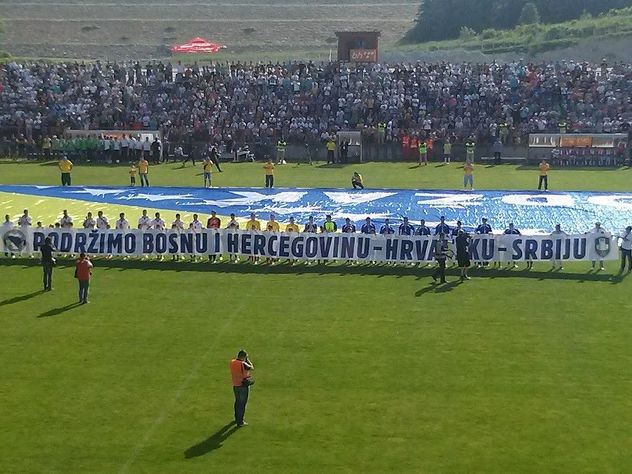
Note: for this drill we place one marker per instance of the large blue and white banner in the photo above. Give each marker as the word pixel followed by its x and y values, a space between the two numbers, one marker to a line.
pixel 531 211
pixel 306 246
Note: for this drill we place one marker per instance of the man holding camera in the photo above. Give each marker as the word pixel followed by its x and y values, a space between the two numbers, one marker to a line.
pixel 240 371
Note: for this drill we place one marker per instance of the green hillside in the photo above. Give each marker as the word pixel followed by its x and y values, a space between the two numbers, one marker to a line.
pixel 536 38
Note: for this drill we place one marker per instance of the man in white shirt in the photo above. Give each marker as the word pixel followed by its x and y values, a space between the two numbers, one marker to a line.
pixel 7 226
pixel 177 225
pixel 196 225
pixel 102 221
pixel 158 223
pixel 25 220
pixel 89 222
pixel 625 241
pixel 66 221
pixel 558 233
pixel 144 222
pixel 597 230
pixel 121 223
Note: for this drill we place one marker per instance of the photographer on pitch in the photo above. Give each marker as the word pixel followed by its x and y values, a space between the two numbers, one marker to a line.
pixel 240 372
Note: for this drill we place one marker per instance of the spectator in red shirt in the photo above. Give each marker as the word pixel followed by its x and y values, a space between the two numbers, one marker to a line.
pixel 83 273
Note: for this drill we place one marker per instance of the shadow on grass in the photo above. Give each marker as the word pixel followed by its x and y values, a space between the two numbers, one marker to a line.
pixel 333 269
pixel 211 443
pixel 58 311
pixel 18 299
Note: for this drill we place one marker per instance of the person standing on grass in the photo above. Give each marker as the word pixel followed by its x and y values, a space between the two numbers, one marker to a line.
pixel 240 369
pixel 253 225
pixel 89 223
pixel 463 253
pixel 625 239
pixel 558 233
pixel 102 221
pixel 442 227
pixel 423 229
pixel 48 262
pixel 511 230
pixel 447 151
pixel 423 152
pixel 133 170
pixel 121 223
pixel 144 221
pixel 544 178
pixel 65 166
pixel 468 176
pixel 232 225
pixel 331 151
pixel 269 168
pixel 368 227
pixel 143 170
pixel 83 273
pixel 25 220
pixel 406 228
pixel 597 230
pixel 207 166
pixel 441 256
pixel 158 223
pixel 66 221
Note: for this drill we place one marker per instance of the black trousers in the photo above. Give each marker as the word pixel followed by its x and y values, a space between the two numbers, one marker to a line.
pixel 497 157
pixel 543 180
pixel 357 185
pixel 241 400
pixel 65 179
pixel 48 275
pixel 331 157
pixel 269 181
pixel 626 255
pixel 440 271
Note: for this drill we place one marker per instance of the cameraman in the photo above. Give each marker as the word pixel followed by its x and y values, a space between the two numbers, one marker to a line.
pixel 240 371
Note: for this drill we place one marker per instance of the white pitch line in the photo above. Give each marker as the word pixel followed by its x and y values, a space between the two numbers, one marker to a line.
pixel 183 386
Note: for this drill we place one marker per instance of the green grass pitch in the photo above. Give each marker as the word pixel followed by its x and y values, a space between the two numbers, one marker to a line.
pixel 358 369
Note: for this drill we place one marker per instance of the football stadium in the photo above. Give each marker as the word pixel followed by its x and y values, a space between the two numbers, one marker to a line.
pixel 326 250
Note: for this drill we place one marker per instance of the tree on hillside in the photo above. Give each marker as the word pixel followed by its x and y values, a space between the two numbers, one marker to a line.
pixel 529 14
pixel 444 19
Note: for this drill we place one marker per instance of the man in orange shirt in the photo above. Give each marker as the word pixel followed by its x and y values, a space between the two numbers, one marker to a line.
pixel 544 179
pixel 240 373
pixel 83 273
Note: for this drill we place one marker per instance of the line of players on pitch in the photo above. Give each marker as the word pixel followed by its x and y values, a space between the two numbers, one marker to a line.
pixel 441 231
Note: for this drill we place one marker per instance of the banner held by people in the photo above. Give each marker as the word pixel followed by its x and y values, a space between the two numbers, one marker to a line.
pixel 347 247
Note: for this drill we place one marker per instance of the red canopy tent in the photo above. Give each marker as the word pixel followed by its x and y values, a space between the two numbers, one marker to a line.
pixel 197 45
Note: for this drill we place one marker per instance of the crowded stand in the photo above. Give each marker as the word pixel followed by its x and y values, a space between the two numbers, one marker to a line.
pixel 233 105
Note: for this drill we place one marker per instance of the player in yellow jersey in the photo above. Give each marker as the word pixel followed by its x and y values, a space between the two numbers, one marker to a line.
pixel 207 165
pixel 143 170
pixel 253 225
pixel 468 176
pixel 292 228
pixel 132 174
pixel 269 168
pixel 65 166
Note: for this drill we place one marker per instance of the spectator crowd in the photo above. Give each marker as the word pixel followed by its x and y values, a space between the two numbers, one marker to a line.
pixel 302 103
